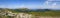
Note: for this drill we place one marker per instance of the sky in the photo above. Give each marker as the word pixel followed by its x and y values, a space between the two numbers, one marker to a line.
pixel 31 4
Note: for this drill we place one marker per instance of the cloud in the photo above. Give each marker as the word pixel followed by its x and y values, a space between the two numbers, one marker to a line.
pixel 46 2
pixel 54 4
pixel 53 0
pixel 51 5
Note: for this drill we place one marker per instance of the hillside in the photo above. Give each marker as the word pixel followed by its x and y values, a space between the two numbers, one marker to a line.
pixel 36 12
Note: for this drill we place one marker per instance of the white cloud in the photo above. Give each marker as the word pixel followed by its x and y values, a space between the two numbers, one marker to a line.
pixel 54 4
pixel 53 0
pixel 51 5
pixel 46 2
pixel 50 0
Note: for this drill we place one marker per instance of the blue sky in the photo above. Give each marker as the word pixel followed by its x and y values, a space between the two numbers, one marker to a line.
pixel 31 4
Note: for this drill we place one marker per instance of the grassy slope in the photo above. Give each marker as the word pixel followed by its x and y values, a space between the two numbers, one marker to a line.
pixel 48 13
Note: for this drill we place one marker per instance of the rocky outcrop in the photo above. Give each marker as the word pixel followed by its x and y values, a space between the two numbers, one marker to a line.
pixel 24 15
